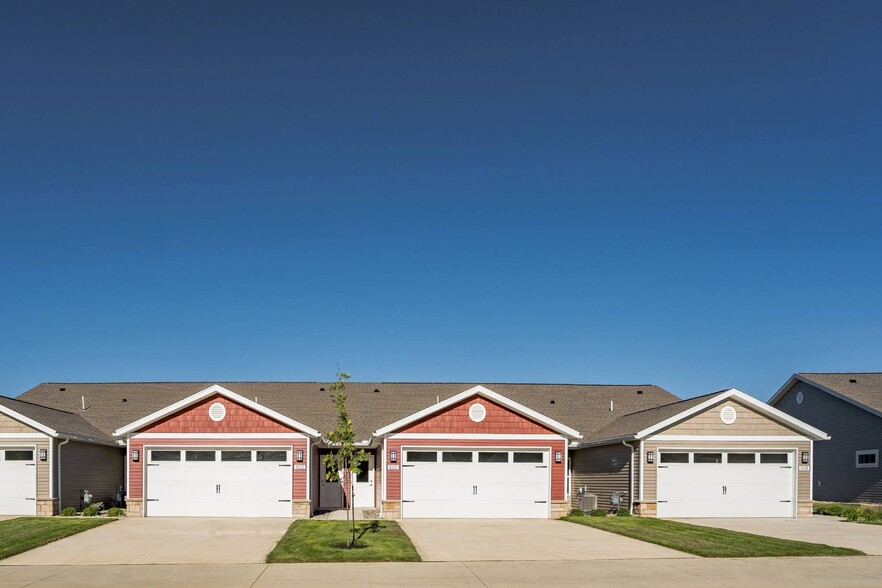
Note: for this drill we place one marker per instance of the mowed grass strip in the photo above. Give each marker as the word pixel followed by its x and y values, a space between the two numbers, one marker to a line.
pixel 707 541
pixel 325 541
pixel 26 533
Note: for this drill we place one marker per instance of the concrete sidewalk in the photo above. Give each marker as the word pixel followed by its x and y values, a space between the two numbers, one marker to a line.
pixel 806 572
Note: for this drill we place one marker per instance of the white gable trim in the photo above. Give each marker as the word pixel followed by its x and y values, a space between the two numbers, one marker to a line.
pixel 770 411
pixel 29 422
pixel 210 391
pixel 798 378
pixel 489 395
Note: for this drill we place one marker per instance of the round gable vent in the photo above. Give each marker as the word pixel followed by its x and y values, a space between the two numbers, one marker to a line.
pixel 477 412
pixel 217 412
pixel 728 415
pixel 800 397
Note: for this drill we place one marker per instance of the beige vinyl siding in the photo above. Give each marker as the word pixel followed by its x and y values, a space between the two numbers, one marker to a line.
pixel 851 428
pixel 8 425
pixel 650 472
pixel 601 470
pixel 96 468
pixel 748 422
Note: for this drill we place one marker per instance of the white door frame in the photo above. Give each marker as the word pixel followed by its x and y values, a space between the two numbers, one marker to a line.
pixel 363 492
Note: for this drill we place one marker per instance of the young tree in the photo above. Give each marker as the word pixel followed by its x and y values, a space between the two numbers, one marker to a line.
pixel 346 457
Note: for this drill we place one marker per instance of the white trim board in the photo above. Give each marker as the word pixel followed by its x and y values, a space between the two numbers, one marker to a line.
pixel 211 390
pixel 736 394
pixel 291 435
pixel 29 422
pixel 798 378
pixel 489 395
pixel 477 436
pixel 745 438
pixel 24 436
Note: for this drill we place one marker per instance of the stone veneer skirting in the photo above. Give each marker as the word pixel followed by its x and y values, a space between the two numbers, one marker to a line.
pixel 134 507
pixel 301 509
pixel 391 509
pixel 47 508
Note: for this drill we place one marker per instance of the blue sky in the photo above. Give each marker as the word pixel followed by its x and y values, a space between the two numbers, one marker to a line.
pixel 683 193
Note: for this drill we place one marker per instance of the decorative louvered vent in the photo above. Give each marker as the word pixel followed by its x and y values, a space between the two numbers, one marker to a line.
pixel 477 412
pixel 217 412
pixel 728 415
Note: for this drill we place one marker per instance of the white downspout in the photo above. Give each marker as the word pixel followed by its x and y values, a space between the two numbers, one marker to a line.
pixel 631 478
pixel 58 460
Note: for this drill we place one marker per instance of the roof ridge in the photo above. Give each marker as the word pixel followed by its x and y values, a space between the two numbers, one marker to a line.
pixel 469 383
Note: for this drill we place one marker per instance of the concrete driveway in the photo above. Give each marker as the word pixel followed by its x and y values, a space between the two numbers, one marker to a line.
pixel 162 541
pixel 817 529
pixel 524 540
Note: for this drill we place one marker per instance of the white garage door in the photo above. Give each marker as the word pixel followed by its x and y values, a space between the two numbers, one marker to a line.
pixel 475 483
pixel 725 484
pixel 18 481
pixel 213 482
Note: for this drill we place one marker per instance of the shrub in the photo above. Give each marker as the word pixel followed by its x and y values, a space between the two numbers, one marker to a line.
pixel 623 512
pixel 116 512
pixel 872 515
pixel 855 515
pixel 577 512
pixel 68 512
pixel 91 511
pixel 598 512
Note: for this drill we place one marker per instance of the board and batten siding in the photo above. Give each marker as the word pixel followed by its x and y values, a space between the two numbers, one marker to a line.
pixel 851 428
pixel 100 469
pixel 601 470
pixel 9 425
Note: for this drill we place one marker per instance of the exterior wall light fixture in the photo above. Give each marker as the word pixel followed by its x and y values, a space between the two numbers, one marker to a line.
pixel 393 456
pixel 650 457
pixel 558 456
pixel 299 455
pixel 136 455
pixel 43 455
pixel 805 457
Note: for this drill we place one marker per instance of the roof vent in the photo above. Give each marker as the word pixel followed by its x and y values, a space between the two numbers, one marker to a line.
pixel 321 389
pixel 62 389
pixel 125 399
pixel 853 381
pixel 376 390
pixel 217 412
pixel 639 391
pixel 552 402
pixel 611 407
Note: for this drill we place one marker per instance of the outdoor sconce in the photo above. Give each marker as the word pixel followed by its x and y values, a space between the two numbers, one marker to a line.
pixel 650 457
pixel 805 457
pixel 136 455
pixel 299 455
pixel 558 457
pixel 393 456
pixel 43 455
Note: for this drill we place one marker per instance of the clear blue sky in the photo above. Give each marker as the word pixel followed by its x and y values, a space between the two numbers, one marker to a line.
pixel 679 193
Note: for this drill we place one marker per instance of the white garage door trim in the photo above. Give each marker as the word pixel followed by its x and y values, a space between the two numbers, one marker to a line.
pixel 212 491
pixel 473 474
pixel 713 502
pixel 18 482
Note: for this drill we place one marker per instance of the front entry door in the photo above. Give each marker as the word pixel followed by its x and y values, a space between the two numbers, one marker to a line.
pixel 330 493
pixel 363 485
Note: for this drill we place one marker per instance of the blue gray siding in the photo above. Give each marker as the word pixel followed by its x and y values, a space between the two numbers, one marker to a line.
pixel 851 428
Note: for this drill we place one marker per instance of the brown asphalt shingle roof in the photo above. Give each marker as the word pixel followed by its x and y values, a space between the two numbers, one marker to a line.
pixel 866 389
pixel 584 407
pixel 64 423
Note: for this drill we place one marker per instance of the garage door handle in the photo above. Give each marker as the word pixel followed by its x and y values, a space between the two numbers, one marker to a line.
pixel 724 490
pixel 217 489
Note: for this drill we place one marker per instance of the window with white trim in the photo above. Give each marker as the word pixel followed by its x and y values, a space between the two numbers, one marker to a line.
pixel 866 458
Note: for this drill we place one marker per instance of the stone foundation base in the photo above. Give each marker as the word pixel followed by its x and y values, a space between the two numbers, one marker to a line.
pixel 804 509
pixel 301 509
pixel 559 508
pixel 645 509
pixel 391 509
pixel 47 508
pixel 134 507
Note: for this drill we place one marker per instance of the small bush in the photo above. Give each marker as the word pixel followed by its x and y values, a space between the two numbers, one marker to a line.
pixel 598 512
pixel 91 511
pixel 872 515
pixel 68 512
pixel 577 512
pixel 116 512
pixel 854 515
pixel 623 512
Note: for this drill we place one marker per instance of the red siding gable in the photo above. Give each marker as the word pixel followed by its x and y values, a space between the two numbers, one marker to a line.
pixel 455 419
pixel 195 419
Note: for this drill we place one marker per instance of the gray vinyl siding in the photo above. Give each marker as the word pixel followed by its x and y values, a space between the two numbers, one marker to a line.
pixel 850 428
pixel 100 469
pixel 601 470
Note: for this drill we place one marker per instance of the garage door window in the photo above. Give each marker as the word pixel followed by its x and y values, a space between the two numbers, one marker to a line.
pixel 422 456
pixel 773 458
pixel 456 456
pixel 165 455
pixel 531 457
pixel 272 456
pixel 674 458
pixel 707 458
pixel 200 455
pixel 741 458
pixel 19 455
pixel 235 456
pixel 493 457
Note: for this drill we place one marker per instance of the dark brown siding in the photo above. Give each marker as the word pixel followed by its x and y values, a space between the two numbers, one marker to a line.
pixel 100 469
pixel 601 470
pixel 851 428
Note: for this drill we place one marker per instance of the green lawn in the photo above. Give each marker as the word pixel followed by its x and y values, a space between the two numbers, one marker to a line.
pixel 706 541
pixel 325 541
pixel 25 533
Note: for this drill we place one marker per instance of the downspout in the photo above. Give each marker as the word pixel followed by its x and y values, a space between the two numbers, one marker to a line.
pixel 631 478
pixel 58 461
